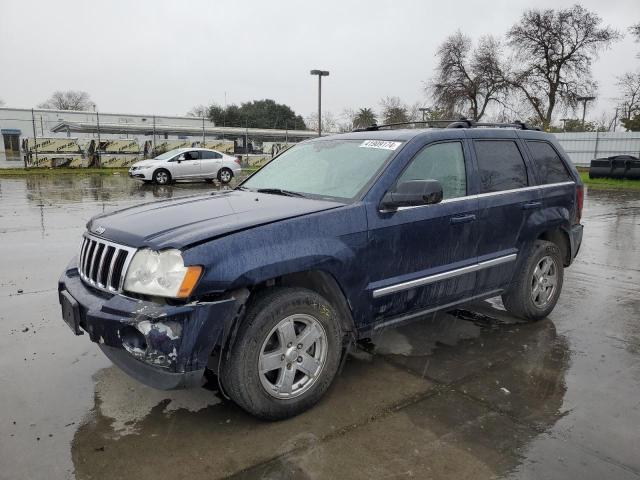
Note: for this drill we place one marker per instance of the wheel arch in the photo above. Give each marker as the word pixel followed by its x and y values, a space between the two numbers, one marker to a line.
pixel 560 237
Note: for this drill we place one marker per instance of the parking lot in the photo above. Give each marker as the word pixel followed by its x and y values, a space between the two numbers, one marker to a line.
pixel 470 393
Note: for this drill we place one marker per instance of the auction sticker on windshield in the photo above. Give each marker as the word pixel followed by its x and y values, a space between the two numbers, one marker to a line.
pixel 383 144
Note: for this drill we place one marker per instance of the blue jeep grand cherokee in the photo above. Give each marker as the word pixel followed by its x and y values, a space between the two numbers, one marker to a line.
pixel 266 284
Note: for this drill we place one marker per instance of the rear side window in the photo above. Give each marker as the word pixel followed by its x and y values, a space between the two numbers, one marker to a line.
pixel 210 155
pixel 549 166
pixel 501 165
pixel 443 162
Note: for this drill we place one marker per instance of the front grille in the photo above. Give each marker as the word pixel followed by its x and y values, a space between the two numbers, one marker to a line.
pixel 103 264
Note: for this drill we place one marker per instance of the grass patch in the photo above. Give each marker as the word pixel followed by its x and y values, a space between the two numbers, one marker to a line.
pixel 609 183
pixel 22 172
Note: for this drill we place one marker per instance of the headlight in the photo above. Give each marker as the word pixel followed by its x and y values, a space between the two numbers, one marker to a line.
pixel 161 274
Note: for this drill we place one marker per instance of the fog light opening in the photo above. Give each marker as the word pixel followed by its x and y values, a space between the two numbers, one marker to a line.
pixel 132 340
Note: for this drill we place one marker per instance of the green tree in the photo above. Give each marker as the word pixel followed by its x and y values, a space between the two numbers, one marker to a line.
pixel 632 124
pixel 394 111
pixel 364 118
pixel 256 114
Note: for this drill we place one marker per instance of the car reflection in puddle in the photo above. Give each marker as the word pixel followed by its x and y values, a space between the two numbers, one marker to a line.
pixel 471 383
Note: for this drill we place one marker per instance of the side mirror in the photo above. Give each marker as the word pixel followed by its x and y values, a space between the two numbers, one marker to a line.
pixel 412 194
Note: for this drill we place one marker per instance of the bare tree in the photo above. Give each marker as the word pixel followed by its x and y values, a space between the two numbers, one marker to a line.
pixel 329 123
pixel 68 100
pixel 555 49
pixel 198 111
pixel 468 79
pixel 629 85
pixel 394 110
pixel 635 32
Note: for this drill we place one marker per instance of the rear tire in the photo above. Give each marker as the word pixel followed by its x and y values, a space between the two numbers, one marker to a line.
pixel 536 288
pixel 161 177
pixel 225 175
pixel 285 355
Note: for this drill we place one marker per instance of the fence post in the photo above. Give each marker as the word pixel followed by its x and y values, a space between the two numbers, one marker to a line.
pixel 595 153
pixel 35 137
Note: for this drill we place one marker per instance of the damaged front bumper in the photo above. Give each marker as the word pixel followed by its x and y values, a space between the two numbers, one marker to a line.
pixel 164 346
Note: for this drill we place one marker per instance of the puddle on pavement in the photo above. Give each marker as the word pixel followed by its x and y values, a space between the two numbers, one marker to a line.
pixel 470 392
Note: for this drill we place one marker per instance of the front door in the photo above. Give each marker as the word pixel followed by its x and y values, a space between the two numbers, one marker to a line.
pixel 188 164
pixel 422 257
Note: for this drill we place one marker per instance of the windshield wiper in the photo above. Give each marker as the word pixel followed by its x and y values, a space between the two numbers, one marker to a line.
pixel 279 191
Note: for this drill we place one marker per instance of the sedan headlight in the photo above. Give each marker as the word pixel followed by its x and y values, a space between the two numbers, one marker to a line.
pixel 161 274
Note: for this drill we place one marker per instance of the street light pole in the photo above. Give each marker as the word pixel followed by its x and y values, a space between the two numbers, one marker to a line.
pixel 320 74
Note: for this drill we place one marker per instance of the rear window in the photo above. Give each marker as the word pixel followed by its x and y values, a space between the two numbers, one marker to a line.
pixel 501 165
pixel 549 166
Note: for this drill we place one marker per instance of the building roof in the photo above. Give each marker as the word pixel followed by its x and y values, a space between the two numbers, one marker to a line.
pixel 148 129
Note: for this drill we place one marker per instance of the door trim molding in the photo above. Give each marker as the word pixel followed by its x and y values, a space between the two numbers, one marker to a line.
pixel 426 311
pixel 418 282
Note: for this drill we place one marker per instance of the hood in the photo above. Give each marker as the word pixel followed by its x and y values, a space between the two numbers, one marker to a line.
pixel 143 163
pixel 188 220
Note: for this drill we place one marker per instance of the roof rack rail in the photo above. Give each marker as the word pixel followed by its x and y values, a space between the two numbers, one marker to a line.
pixel 375 126
pixel 461 122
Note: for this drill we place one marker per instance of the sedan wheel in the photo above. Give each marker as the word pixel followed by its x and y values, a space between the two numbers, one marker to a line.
pixel 161 177
pixel 225 175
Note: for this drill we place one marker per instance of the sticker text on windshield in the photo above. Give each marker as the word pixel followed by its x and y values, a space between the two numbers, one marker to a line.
pixel 383 144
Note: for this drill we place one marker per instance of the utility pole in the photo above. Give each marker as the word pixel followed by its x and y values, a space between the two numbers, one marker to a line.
pixel 320 74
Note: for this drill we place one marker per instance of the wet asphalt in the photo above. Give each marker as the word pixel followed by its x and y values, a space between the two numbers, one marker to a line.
pixel 470 393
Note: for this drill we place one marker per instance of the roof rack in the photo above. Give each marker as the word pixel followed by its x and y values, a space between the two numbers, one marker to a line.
pixel 459 123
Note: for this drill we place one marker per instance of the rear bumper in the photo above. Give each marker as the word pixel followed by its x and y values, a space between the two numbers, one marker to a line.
pixel 163 346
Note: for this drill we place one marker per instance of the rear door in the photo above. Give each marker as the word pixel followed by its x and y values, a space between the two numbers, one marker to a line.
pixel 421 257
pixel 507 200
pixel 210 163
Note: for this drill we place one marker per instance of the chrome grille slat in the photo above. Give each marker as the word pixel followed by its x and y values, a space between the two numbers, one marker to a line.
pixel 103 264
pixel 81 256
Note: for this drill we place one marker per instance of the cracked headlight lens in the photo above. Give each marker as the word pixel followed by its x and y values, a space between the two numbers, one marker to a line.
pixel 161 274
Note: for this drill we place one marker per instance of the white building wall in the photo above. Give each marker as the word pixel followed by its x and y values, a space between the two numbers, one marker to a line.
pixel 23 120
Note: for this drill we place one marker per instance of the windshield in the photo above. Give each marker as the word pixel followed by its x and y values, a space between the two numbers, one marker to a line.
pixel 338 169
pixel 166 155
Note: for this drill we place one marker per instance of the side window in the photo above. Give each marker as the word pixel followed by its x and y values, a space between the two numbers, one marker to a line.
pixel 501 165
pixel 210 155
pixel 548 164
pixel 195 155
pixel 443 162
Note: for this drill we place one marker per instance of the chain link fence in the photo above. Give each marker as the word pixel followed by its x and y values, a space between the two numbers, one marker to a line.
pixel 52 138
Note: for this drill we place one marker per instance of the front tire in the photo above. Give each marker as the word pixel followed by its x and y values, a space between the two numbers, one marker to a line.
pixel 225 175
pixel 161 177
pixel 286 353
pixel 536 287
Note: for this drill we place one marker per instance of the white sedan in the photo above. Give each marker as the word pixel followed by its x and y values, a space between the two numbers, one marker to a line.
pixel 186 164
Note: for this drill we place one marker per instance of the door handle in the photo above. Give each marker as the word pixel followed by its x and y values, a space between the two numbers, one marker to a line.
pixel 531 205
pixel 462 219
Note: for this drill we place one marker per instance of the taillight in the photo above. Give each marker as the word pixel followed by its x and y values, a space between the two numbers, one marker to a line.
pixel 580 202
pixel 237 160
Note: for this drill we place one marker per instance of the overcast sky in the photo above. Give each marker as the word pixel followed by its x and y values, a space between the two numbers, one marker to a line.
pixel 166 56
